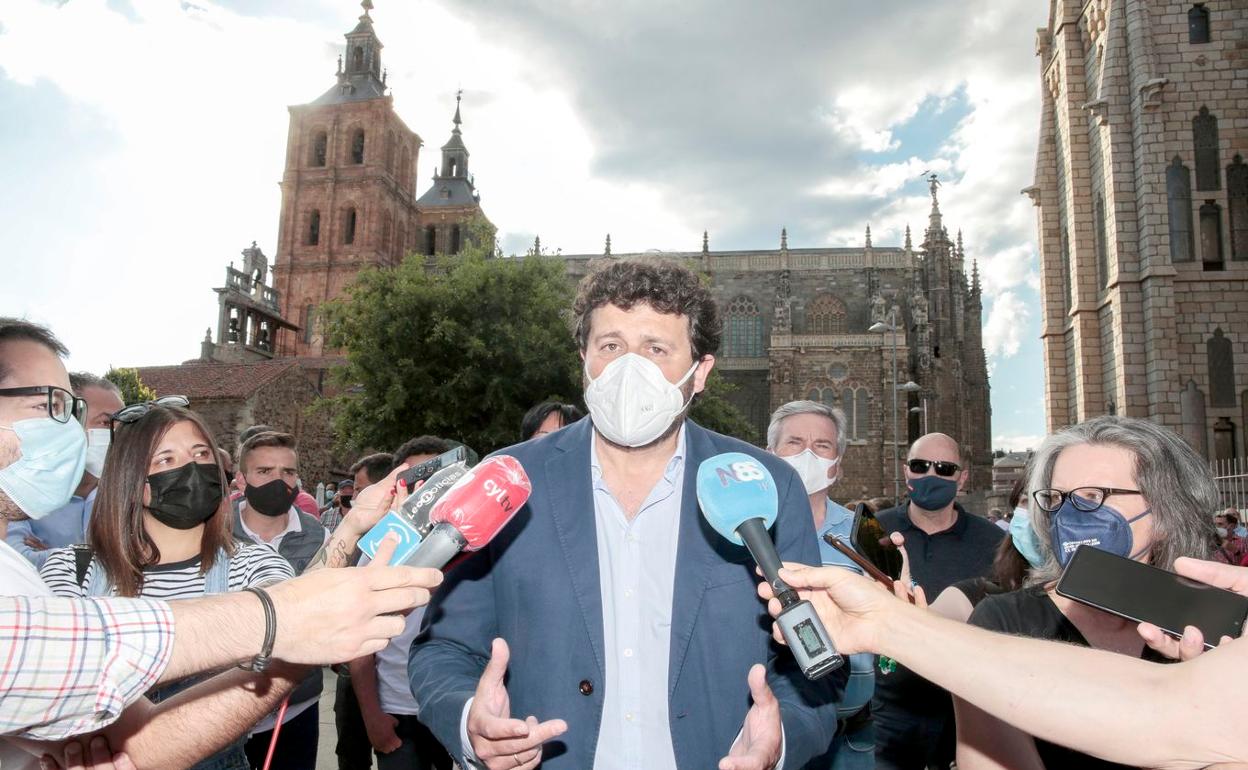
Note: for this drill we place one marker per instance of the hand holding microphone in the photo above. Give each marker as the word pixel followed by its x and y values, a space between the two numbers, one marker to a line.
pixel 738 498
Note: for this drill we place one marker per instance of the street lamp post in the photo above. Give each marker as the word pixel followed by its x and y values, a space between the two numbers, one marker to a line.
pixel 891 326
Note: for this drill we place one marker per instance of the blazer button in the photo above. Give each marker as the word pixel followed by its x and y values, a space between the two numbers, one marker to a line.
pixel 586 687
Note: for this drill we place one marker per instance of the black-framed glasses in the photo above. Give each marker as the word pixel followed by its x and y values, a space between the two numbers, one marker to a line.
pixel 136 412
pixel 61 404
pixel 942 468
pixel 1086 499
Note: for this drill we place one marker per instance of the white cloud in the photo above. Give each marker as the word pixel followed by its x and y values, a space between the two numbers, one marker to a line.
pixel 1016 442
pixel 1007 319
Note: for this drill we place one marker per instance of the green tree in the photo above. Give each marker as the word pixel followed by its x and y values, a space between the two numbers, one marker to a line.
pixel 459 350
pixel 712 410
pixel 133 391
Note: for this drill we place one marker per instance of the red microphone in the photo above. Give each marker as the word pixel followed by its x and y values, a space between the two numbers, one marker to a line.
pixel 473 511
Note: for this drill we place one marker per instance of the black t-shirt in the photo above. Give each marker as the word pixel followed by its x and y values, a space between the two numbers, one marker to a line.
pixel 937 561
pixel 977 589
pixel 1031 612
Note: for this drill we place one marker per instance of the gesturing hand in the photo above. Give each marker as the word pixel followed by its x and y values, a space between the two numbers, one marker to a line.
pixel 758 746
pixel 500 742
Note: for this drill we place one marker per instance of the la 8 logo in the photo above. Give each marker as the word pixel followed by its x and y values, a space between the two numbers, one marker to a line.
pixel 742 470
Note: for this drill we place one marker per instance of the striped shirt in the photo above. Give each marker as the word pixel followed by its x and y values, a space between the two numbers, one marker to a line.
pixel 251 565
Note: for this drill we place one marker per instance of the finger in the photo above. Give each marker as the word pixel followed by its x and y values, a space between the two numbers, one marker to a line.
pixel 538 733
pixel 901 591
pixel 775 634
pixel 385 549
pixel 382 577
pixel 496 669
pixel 1223 640
pixel 384 627
pixel 47 762
pixel 759 691
pixel 502 730
pixel 73 755
pixel 101 754
pixel 919 597
pixel 1214 573
pixel 1159 640
pixel 1192 644
pixel 813 577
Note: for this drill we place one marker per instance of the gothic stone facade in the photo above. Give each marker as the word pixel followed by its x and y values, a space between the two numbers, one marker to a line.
pixel 1142 198
pixel 796 326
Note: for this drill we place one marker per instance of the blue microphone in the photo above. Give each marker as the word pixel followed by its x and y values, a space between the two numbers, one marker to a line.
pixel 411 521
pixel 738 498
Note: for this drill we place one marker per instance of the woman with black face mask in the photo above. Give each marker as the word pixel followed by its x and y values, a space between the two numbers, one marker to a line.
pixel 162 528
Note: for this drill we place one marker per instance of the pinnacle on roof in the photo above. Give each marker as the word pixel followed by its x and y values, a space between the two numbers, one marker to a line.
pixel 784 237
pixel 975 276
pixel 607 251
pixel 706 242
pixel 868 236
pixel 909 245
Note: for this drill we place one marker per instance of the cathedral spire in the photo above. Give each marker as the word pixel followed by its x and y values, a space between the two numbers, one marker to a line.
pixel 868 236
pixel 459 95
pixel 934 223
pixel 909 246
pixel 975 277
pixel 706 243
pixel 961 253
pixel 359 67
pixel 607 251
pixel 784 238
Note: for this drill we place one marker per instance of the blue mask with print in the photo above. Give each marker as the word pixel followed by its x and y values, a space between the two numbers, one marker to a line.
pixel 1105 528
pixel 932 493
pixel 1024 537
pixel 52 458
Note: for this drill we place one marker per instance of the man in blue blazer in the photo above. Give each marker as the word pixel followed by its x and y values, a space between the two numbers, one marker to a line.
pixel 608 626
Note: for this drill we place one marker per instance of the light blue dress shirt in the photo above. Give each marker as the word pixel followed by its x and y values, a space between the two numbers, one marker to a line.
pixel 839 521
pixel 63 527
pixel 637 575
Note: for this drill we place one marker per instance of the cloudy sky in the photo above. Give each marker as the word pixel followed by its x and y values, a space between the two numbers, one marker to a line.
pixel 142 142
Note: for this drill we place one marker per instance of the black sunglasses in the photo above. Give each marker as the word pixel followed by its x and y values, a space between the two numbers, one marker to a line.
pixel 136 412
pixel 61 404
pixel 942 468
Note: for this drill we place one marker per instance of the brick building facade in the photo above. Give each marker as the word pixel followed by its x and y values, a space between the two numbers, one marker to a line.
pixel 797 324
pixel 1142 198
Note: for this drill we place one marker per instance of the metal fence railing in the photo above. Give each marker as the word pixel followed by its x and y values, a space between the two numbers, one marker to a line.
pixel 1231 477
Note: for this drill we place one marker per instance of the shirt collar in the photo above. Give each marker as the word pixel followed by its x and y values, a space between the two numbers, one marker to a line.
pixel 670 473
pixel 835 514
pixel 292 525
pixel 959 524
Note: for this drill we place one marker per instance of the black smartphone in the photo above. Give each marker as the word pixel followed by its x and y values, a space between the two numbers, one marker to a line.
pixel 1143 593
pixel 869 539
pixel 422 472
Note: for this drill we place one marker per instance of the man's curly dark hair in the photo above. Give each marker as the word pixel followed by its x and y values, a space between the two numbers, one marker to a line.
pixel 664 286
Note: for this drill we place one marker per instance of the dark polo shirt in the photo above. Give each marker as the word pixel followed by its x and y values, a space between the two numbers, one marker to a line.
pixel 941 559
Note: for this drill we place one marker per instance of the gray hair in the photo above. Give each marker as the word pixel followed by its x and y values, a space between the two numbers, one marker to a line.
pixel 808 407
pixel 1175 482
pixel 80 381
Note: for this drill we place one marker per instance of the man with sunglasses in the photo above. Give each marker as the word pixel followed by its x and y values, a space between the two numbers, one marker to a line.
pixel 945 543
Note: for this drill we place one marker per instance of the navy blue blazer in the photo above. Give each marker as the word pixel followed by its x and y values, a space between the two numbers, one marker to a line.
pixel 537 586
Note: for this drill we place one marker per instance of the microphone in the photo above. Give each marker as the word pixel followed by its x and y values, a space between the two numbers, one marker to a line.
pixel 411 521
pixel 738 498
pixel 473 511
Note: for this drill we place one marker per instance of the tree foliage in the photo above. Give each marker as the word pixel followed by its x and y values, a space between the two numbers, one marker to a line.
pixel 133 391
pixel 712 410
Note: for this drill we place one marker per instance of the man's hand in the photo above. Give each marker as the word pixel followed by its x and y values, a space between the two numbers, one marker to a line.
pixel 372 502
pixel 1192 644
pixel 851 607
pixel 758 746
pixel 380 729
pixel 500 742
pixel 334 615
pixel 98 756
pixel 35 543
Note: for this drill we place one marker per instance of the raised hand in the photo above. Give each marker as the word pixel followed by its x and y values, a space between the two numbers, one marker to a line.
pixel 851 606
pixel 758 746
pixel 499 741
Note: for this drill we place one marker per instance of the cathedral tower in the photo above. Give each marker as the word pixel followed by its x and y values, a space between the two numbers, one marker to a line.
pixel 453 200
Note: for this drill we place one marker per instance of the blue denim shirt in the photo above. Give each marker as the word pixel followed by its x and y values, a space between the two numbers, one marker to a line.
pixel 839 520
pixel 65 526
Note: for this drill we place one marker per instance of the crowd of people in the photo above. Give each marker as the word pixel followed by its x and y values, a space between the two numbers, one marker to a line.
pixel 168 601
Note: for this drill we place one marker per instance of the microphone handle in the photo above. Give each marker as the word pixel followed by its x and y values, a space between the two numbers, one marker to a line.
pixel 441 545
pixel 758 540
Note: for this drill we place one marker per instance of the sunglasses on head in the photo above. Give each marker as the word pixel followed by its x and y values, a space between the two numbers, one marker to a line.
pixel 136 412
pixel 942 468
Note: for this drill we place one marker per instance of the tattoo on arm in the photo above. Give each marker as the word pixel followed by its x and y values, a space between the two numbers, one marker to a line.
pixel 333 554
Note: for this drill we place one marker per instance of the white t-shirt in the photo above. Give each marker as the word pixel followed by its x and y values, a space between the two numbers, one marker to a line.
pixel 18 578
pixel 394 691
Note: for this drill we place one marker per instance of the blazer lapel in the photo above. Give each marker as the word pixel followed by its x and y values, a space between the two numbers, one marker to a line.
pixel 695 554
pixel 572 509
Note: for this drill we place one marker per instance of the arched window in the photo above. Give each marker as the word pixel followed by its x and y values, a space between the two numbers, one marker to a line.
pixel 357 146
pixel 431 241
pixel 1205 139
pixel 1198 24
pixel 390 151
pixel 744 327
pixel 314 229
pixel 309 319
pixel 1237 206
pixel 348 226
pixel 320 145
pixel 455 239
pixel 826 315
pixel 862 413
pixel 1211 235
pixel 1179 209
pixel 357 59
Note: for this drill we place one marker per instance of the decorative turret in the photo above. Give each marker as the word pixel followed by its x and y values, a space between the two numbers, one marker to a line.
pixel 706 243
pixel 359 69
pixel 909 246
pixel 784 239
pixel 452 185
pixel 868 240
pixel 607 251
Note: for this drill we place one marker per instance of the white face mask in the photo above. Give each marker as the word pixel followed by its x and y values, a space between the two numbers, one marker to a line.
pixel 813 470
pixel 98 440
pixel 632 403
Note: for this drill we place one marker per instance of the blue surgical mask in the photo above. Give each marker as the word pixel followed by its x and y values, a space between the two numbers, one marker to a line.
pixel 1024 537
pixel 1105 528
pixel 44 477
pixel 932 493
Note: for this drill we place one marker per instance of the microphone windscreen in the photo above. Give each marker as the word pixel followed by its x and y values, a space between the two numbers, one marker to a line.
pixel 418 505
pixel 734 487
pixel 484 500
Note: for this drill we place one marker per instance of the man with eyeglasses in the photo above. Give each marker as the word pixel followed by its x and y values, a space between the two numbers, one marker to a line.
pixel 67 525
pixel 945 543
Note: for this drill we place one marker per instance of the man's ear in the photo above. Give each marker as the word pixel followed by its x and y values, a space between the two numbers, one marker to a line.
pixel 703 372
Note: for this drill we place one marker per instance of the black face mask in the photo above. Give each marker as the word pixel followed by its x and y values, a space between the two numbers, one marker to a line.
pixel 272 499
pixel 185 497
pixel 344 501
